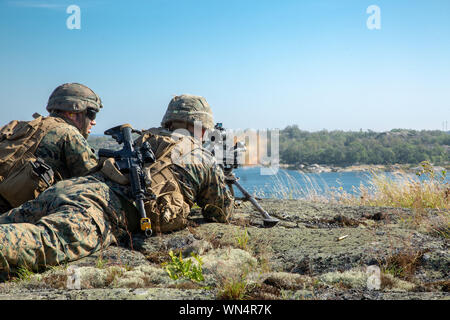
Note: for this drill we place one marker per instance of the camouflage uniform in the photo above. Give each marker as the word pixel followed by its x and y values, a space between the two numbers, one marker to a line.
pixel 66 222
pixel 64 147
pixel 79 216
pixel 188 175
pixel 67 152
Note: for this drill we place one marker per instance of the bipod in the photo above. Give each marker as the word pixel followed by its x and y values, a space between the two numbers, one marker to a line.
pixel 268 221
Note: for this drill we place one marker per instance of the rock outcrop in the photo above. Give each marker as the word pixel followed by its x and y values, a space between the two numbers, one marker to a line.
pixel 316 251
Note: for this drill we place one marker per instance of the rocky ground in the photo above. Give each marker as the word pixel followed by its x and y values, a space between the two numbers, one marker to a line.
pixel 316 251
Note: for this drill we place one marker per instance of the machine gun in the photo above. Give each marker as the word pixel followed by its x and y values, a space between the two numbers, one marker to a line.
pixel 230 162
pixel 131 160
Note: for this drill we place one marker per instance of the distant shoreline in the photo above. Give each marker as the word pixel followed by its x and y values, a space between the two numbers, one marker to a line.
pixel 101 141
pixel 317 168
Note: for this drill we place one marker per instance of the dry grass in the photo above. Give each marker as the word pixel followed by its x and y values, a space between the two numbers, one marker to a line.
pixel 403 264
pixel 113 274
pixel 428 190
pixel 402 190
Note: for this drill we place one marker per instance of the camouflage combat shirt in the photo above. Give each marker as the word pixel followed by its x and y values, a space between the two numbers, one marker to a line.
pixel 67 152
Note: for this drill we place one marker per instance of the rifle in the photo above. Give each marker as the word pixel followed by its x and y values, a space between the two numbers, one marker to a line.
pixel 229 164
pixel 131 160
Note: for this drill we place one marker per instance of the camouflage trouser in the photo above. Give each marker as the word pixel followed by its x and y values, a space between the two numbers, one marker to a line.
pixel 68 221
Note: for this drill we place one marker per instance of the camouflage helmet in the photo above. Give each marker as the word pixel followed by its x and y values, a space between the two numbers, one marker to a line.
pixel 73 97
pixel 189 108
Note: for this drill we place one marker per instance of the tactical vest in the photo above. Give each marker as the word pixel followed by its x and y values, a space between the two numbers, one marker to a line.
pixel 169 210
pixel 23 176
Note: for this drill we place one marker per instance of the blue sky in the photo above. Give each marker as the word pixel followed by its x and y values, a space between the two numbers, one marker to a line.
pixel 260 64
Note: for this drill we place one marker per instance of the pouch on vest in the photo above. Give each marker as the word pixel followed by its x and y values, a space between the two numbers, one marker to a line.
pixel 22 176
pixel 110 170
pixel 33 177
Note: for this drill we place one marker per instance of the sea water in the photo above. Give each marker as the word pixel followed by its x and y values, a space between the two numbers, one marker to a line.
pixel 296 184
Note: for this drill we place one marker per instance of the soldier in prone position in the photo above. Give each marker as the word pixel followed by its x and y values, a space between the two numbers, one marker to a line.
pixel 65 147
pixel 79 216
pixel 60 144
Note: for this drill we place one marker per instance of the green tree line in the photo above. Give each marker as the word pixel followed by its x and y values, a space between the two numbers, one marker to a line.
pixel 342 148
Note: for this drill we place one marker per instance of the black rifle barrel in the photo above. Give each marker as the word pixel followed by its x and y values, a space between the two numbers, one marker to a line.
pixel 105 153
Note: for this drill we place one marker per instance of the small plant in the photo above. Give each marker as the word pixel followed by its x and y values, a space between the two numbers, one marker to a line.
pixel 178 268
pixel 113 273
pixel 101 263
pixel 24 273
pixel 233 289
pixel 242 240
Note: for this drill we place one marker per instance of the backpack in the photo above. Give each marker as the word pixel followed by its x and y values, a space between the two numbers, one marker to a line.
pixel 23 176
pixel 168 211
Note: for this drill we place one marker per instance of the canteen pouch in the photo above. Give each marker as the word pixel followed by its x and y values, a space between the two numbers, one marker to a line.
pixel 32 178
